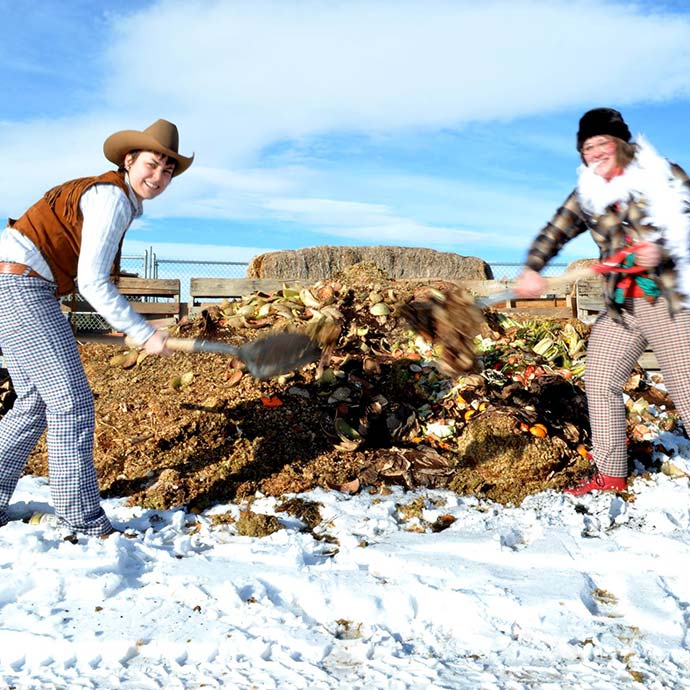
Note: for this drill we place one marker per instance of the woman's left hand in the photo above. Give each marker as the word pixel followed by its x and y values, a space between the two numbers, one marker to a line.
pixel 156 344
pixel 648 255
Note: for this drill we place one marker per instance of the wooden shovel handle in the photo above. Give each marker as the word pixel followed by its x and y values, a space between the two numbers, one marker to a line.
pixel 608 265
pixel 176 344
pixel 274 355
pixel 196 345
pixel 571 276
pixel 554 283
pixel 575 274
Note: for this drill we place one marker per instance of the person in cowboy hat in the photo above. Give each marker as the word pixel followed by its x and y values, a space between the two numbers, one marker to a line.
pixel 626 195
pixel 74 231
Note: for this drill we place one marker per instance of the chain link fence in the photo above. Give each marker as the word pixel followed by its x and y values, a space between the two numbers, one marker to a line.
pixel 94 322
pixel 186 269
pixel 510 271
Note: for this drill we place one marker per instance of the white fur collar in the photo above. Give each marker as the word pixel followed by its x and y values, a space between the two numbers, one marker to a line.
pixel 647 177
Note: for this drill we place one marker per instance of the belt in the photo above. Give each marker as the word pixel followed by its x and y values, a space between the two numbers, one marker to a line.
pixel 19 270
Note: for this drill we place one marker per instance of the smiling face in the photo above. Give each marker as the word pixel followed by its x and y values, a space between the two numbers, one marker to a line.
pixel 599 153
pixel 149 173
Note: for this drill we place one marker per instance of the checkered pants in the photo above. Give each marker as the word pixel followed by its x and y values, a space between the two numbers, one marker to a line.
pixel 52 391
pixel 612 352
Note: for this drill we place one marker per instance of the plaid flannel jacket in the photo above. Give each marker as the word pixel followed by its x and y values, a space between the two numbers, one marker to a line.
pixel 610 231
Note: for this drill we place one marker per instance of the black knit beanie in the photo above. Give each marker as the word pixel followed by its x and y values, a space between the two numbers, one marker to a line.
pixel 602 121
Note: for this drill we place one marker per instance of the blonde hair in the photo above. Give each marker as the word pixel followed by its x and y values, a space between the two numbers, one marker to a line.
pixel 625 152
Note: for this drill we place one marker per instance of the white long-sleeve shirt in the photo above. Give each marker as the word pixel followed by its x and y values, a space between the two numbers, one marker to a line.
pixel 108 212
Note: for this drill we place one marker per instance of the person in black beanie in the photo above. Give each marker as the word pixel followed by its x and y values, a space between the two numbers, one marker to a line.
pixel 602 122
pixel 626 195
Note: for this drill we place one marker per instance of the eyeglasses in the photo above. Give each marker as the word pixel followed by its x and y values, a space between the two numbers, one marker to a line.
pixel 589 149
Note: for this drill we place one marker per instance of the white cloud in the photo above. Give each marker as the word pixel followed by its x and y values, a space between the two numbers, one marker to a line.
pixel 267 70
pixel 239 193
pixel 39 154
pixel 320 211
pixel 408 233
pixel 367 223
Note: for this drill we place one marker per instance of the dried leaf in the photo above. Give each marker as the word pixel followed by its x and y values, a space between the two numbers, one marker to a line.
pixel 264 310
pixel 235 377
pixel 371 366
pixel 325 294
pixel 380 309
pixel 118 360
pixel 670 469
pixel 350 487
pixel 308 299
pixel 210 403
pixel 345 431
pixel 259 323
pixel 340 394
pixel 187 378
pixel 130 360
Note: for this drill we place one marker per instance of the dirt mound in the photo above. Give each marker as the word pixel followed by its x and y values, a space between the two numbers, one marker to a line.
pixel 194 429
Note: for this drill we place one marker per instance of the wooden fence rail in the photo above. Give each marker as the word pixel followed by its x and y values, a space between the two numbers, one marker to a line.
pixel 140 290
pixel 202 290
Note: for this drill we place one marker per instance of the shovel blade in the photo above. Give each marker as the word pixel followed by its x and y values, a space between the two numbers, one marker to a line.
pixel 278 354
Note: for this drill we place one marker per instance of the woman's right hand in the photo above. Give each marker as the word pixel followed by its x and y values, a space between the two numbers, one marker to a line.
pixel 647 254
pixel 530 284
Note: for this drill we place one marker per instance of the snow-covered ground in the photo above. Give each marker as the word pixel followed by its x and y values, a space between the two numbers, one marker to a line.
pixel 589 593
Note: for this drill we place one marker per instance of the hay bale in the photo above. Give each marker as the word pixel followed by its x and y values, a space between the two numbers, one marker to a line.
pixel 587 293
pixel 319 263
pixel 595 281
pixel 581 263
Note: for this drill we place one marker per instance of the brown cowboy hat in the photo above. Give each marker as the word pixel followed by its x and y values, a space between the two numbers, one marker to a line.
pixel 161 137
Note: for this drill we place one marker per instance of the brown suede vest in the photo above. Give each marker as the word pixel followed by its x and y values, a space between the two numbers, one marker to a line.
pixel 54 225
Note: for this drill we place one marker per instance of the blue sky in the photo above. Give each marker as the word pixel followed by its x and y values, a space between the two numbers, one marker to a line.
pixel 431 123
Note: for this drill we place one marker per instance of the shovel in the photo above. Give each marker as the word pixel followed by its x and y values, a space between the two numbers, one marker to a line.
pixel 609 265
pixel 271 356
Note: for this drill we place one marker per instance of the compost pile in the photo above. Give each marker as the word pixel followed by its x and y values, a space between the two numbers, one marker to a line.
pixel 195 430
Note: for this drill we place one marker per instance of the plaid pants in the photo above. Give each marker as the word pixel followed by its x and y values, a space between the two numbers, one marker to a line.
pixel 612 352
pixel 43 361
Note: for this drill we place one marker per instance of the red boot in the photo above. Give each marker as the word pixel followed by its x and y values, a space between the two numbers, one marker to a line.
pixel 598 482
